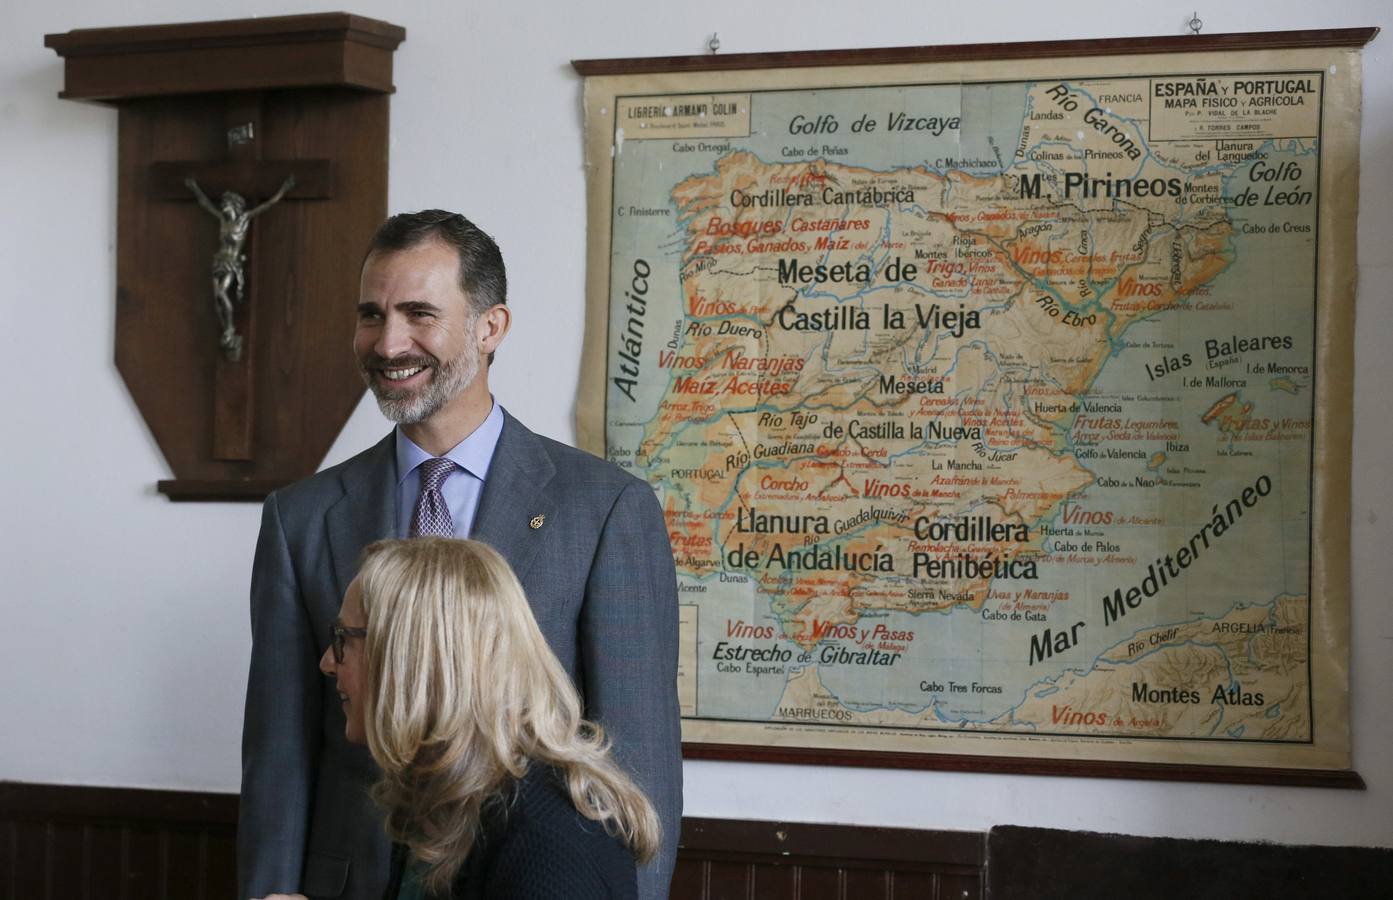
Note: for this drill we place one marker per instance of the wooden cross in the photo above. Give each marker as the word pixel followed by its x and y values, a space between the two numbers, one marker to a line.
pixel 245 172
pixel 313 88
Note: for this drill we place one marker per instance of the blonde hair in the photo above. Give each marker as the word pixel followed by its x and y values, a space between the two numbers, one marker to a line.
pixel 461 692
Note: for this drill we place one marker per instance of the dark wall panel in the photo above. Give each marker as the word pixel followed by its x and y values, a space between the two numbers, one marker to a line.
pixel 753 860
pixel 82 843
pixel 1044 864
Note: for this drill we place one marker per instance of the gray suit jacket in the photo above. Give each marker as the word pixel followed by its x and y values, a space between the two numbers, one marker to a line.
pixel 599 576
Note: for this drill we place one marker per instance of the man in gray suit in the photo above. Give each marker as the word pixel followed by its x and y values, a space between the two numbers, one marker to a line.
pixel 587 541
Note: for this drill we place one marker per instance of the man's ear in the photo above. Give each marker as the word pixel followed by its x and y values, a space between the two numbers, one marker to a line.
pixel 492 327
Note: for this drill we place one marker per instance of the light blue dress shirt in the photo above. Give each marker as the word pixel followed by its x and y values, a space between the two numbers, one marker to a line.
pixel 462 487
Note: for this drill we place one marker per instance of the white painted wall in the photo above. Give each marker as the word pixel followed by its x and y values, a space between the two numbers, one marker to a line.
pixel 123 639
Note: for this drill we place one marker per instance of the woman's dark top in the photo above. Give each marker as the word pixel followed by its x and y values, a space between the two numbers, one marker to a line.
pixel 538 847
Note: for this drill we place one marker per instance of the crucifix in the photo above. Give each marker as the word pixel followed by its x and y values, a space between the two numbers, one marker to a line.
pixel 241 177
pixel 251 171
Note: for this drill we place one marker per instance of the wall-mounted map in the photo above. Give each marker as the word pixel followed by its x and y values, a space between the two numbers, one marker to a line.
pixel 995 408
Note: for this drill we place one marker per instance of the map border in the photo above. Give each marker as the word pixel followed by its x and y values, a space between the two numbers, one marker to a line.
pixel 1325 759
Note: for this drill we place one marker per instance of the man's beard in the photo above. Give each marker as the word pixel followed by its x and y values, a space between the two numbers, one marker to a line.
pixel 406 407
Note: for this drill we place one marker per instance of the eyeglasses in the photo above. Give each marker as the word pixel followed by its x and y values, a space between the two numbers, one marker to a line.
pixel 337 633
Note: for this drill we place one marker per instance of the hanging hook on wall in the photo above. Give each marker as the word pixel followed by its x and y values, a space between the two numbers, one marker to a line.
pixel 715 43
pixel 1195 23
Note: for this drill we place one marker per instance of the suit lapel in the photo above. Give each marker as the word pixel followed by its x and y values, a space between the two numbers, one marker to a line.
pixel 367 510
pixel 514 495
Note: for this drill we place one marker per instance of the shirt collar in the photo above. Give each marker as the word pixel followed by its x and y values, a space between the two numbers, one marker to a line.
pixel 473 454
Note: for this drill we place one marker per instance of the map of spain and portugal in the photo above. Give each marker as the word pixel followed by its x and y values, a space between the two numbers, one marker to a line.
pixel 978 407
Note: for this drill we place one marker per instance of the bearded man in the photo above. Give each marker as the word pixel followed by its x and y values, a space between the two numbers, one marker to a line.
pixel 586 539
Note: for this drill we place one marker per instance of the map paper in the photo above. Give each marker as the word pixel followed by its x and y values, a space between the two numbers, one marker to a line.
pixel 993 409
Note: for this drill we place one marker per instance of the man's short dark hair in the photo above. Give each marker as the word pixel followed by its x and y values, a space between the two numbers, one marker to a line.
pixel 481 274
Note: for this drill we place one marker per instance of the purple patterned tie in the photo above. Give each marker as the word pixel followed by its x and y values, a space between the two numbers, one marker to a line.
pixel 431 515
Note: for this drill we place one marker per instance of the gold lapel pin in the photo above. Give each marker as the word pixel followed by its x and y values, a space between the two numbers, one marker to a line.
pixel 537 521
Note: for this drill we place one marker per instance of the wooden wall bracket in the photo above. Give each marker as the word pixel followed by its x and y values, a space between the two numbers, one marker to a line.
pixel 240 106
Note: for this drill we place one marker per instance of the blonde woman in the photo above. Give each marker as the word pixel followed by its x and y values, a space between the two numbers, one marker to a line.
pixel 492 783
